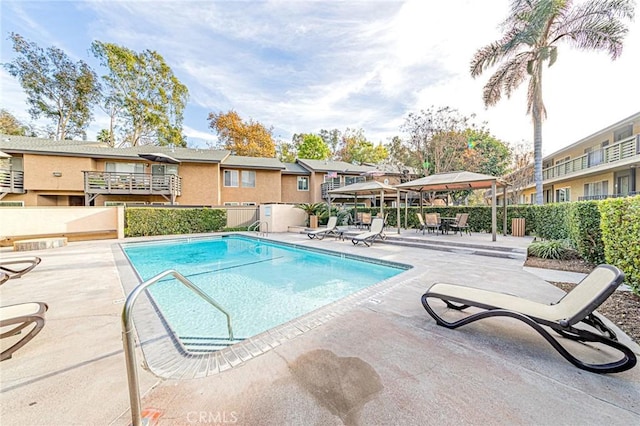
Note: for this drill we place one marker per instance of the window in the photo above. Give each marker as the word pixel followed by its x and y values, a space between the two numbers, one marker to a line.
pixel 164 169
pixel 230 178
pixel 124 167
pixel 596 189
pixel 563 195
pixel 348 180
pixel 623 133
pixel 232 203
pixel 247 203
pixel 248 179
pixel 303 183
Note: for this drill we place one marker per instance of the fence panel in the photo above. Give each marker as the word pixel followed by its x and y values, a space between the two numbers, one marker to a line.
pixel 241 216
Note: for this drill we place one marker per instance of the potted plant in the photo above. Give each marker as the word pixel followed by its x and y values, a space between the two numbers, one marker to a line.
pixel 311 209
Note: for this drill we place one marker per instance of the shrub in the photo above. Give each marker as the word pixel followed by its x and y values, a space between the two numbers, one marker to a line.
pixel 584 230
pixel 551 249
pixel 620 224
pixel 146 221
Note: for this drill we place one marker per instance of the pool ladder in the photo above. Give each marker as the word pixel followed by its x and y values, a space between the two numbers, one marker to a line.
pixel 257 227
pixel 128 341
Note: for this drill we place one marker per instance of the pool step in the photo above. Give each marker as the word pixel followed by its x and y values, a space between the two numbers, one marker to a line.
pixel 207 344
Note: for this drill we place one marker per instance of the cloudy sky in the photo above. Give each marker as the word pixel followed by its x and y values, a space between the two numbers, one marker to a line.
pixel 302 66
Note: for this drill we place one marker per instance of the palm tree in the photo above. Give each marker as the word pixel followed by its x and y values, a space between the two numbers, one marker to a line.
pixel 532 32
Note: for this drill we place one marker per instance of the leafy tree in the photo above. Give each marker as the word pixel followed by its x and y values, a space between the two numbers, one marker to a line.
pixel 520 173
pixel 485 154
pixel 355 148
pixel 313 148
pixel 56 87
pixel 143 95
pixel 532 32
pixel 332 139
pixel 400 155
pixel 10 125
pixel 437 138
pixel 104 135
pixel 286 152
pixel 251 139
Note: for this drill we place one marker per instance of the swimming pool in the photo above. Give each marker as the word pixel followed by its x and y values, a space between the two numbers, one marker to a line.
pixel 261 284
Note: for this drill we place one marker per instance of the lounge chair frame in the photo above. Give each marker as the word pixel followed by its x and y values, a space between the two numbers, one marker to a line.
pixel 10 272
pixel 377 226
pixel 563 327
pixel 331 229
pixel 21 321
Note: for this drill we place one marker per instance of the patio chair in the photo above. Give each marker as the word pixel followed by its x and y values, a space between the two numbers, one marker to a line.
pixel 331 228
pixel 575 307
pixel 432 222
pixel 368 237
pixel 19 267
pixel 461 224
pixel 18 317
pixel 421 224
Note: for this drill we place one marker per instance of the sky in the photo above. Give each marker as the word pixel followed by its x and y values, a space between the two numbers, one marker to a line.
pixel 302 66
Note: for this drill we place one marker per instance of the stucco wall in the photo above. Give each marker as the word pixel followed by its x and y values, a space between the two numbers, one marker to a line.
pixel 280 216
pixel 267 189
pixel 39 171
pixel 25 221
pixel 290 193
pixel 199 184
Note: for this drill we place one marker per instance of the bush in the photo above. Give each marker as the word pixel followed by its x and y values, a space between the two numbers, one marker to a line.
pixel 584 230
pixel 552 249
pixel 620 224
pixel 146 221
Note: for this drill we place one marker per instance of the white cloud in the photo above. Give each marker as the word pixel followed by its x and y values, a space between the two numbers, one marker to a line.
pixel 301 66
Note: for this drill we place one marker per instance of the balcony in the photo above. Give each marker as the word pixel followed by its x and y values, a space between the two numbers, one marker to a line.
pixel 619 151
pixel 328 186
pixel 112 183
pixel 11 182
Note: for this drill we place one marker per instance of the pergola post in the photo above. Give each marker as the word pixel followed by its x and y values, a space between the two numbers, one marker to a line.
pixel 504 221
pixel 398 210
pixel 494 219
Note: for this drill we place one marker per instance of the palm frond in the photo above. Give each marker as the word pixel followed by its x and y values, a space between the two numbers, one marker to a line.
pixel 506 79
pixel 596 25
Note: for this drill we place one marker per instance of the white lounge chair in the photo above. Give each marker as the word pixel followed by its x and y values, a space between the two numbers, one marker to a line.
pixel 575 307
pixel 332 227
pixel 368 237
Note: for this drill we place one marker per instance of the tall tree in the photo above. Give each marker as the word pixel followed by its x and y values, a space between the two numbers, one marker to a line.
pixel 313 148
pixel 532 32
pixel 251 139
pixel 143 95
pixel 355 148
pixel 10 125
pixel 286 151
pixel 56 87
pixel 520 173
pixel 332 138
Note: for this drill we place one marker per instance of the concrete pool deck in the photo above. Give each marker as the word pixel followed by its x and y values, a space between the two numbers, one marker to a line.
pixel 382 361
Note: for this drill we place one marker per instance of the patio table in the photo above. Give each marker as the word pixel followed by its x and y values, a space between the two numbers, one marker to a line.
pixel 445 222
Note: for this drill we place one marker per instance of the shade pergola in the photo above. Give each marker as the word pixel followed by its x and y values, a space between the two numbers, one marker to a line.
pixel 460 181
pixel 371 187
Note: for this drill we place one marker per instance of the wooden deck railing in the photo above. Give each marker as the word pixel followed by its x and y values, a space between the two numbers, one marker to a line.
pixel 131 183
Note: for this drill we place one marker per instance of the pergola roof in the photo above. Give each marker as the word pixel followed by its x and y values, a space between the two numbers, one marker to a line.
pixel 453 181
pixel 369 187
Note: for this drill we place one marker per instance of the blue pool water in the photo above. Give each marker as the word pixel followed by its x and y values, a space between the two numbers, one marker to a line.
pixel 261 284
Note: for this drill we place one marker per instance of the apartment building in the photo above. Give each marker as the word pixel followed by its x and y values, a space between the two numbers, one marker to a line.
pixel 602 165
pixel 43 172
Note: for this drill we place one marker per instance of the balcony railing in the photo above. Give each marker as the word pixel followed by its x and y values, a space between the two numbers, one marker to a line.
pixel 132 183
pixel 624 149
pixel 11 182
pixel 327 186
pixel 605 196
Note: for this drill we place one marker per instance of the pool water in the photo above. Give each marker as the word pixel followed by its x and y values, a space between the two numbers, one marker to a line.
pixel 261 284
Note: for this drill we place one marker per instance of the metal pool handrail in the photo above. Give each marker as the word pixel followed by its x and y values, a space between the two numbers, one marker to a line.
pixel 128 342
pixel 257 227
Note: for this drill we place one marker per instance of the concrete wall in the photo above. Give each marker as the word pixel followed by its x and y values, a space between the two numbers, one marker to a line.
pixel 39 221
pixel 280 216
pixel 39 170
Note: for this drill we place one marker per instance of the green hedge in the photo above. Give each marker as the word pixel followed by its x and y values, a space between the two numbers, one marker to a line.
pixel 145 221
pixel 584 231
pixel 620 224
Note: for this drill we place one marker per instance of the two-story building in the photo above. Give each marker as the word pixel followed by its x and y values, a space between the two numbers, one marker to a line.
pixel 44 172
pixel 602 165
